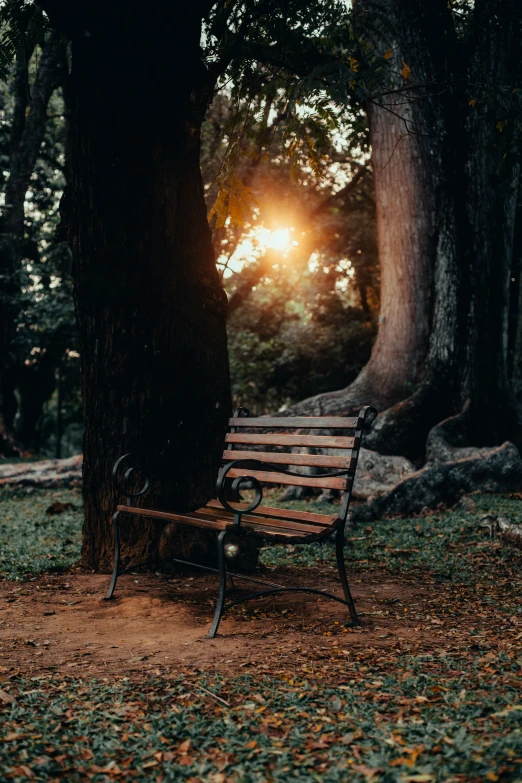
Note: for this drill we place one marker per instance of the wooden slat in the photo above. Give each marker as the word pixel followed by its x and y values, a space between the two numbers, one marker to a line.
pixel 318 441
pixel 265 529
pixel 217 522
pixel 283 513
pixel 273 532
pixel 287 458
pixel 311 422
pixel 289 524
pixel 294 481
pixel 188 519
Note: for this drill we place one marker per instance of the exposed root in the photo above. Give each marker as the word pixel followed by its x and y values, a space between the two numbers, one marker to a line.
pixel 46 473
pixel 493 470
pixel 348 401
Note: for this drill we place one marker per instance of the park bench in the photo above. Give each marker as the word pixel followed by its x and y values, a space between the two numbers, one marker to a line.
pixel 296 442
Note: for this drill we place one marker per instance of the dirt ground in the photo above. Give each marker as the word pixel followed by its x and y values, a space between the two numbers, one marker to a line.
pixel 158 623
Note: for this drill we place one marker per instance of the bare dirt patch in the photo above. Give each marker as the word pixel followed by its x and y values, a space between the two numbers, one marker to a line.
pixel 159 623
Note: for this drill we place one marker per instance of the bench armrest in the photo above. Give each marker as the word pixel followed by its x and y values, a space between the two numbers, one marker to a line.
pixel 124 477
pixel 222 490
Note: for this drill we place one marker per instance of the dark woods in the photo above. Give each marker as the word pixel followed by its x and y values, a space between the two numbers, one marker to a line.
pixel 377 149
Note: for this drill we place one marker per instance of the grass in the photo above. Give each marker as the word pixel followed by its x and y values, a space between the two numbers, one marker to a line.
pixel 450 546
pixel 32 542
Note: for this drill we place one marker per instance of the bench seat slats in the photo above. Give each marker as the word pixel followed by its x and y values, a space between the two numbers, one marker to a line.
pixel 188 518
pixel 323 482
pixel 219 522
pixel 271 439
pixel 309 527
pixel 249 520
pixel 277 458
pixel 272 531
pixel 304 422
pixel 283 513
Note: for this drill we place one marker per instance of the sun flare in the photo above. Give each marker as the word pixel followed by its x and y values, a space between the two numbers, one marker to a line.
pixel 255 243
pixel 279 239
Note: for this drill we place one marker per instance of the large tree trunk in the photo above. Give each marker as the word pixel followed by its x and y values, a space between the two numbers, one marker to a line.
pixel 405 137
pixel 494 168
pixel 445 212
pixel 150 309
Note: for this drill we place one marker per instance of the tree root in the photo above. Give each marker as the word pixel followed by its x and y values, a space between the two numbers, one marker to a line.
pixel 492 470
pixel 47 473
pixel 348 401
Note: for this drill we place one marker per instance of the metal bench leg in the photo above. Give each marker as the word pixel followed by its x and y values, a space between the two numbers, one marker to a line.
pixel 222 585
pixel 115 571
pixel 341 565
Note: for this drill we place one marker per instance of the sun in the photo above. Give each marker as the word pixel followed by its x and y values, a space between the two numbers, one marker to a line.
pixel 279 239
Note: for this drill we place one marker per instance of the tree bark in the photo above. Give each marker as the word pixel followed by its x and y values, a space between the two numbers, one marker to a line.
pixel 496 470
pixel 150 309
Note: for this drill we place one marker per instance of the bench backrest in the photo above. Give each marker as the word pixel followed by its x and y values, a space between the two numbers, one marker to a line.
pixel 294 449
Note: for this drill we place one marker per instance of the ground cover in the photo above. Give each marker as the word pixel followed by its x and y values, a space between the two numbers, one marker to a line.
pixel 428 689
pixel 32 541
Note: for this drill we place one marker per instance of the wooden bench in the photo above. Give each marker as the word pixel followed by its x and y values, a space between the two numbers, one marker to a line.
pixel 293 443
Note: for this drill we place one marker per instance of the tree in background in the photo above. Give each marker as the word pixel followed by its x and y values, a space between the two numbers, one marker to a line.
pixel 445 122
pixel 149 306
pixel 298 79
pixel 302 318
pixel 30 147
pixel 439 85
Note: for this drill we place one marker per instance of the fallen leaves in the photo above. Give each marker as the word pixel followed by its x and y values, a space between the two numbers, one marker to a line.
pixel 7 698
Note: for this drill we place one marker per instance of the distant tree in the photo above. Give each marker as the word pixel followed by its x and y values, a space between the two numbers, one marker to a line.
pixel 445 123
pixel 301 322
pixel 22 143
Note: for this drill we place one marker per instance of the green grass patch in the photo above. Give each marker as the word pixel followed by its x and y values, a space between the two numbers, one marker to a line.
pixel 32 542
pixel 450 546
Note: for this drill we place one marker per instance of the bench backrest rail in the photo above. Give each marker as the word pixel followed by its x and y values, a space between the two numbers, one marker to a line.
pixel 296 450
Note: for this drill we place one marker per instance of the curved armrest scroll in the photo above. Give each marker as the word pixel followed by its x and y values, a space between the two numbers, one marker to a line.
pixel 123 479
pixel 222 489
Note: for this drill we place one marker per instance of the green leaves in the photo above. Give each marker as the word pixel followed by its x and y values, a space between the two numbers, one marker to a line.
pixel 32 542
pixel 16 16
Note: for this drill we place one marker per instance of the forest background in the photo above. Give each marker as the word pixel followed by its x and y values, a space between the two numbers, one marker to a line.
pixel 361 173
pixel 297 253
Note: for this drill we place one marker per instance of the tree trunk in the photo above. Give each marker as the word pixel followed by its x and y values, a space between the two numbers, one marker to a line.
pixel 150 309
pixel 445 214
pixel 494 169
pixel 27 133
pixel 406 137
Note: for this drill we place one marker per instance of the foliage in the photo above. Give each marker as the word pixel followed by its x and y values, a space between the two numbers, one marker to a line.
pixel 404 717
pixel 45 343
pixel 15 18
pixel 445 708
pixel 303 321
pixel 450 546
pixel 32 542
pixel 282 348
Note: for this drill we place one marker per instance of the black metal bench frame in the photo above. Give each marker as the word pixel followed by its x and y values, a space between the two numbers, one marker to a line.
pixel 228 488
